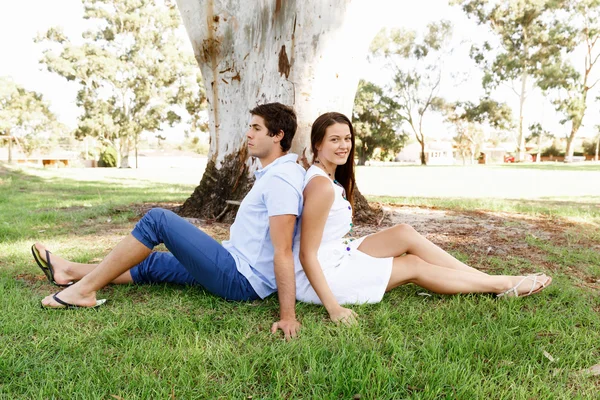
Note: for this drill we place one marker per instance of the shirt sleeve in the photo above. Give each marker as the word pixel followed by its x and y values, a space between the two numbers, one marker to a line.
pixel 282 198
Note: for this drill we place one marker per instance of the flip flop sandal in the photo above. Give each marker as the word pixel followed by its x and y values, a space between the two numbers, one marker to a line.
pixel 67 306
pixel 46 267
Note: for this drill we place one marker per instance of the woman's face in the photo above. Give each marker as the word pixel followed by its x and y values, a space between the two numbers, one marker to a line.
pixel 336 144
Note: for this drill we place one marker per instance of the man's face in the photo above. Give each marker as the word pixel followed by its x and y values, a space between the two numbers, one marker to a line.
pixel 260 144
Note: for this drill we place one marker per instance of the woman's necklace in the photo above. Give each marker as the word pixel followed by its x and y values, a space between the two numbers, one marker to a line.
pixel 320 165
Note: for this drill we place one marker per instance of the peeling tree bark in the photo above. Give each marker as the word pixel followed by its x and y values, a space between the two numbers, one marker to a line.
pixel 301 53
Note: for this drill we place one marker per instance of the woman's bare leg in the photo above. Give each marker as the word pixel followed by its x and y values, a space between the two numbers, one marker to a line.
pixel 128 253
pixel 401 239
pixel 412 269
pixel 66 271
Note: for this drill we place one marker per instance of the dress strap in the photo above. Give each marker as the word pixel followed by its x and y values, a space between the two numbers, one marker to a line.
pixel 312 172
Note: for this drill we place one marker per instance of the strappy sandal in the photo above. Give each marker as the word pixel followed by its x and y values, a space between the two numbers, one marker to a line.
pixel 46 266
pixel 512 292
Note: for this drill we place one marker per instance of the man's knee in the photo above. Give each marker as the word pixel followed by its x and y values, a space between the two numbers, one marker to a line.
pixel 158 214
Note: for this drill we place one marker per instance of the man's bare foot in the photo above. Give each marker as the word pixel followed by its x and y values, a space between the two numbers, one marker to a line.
pixel 526 285
pixel 71 296
pixel 61 267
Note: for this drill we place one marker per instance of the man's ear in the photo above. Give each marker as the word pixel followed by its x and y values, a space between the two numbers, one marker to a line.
pixel 279 137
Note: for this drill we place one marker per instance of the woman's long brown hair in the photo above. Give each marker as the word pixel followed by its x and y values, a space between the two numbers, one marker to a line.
pixel 344 174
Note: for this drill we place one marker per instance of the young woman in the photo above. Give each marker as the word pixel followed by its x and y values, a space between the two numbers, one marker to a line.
pixel 339 270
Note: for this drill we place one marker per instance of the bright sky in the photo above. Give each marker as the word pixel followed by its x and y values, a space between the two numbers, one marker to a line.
pixel 21 21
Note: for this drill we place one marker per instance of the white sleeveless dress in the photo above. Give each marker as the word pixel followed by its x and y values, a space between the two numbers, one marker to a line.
pixel 353 276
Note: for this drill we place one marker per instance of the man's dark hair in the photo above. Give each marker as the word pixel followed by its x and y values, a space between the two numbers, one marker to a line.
pixel 278 118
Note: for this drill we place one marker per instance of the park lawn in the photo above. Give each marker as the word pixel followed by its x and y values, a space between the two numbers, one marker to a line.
pixel 171 342
pixel 584 209
pixel 555 166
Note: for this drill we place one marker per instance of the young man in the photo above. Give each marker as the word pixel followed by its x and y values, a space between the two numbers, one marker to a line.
pixel 256 261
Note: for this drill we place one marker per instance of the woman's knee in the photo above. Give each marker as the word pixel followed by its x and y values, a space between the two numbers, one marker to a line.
pixel 404 230
pixel 413 261
pixel 406 269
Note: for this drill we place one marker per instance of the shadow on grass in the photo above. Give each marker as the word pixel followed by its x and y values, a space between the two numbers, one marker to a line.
pixel 32 205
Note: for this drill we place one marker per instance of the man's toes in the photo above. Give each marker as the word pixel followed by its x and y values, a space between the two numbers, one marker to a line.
pixel 48 301
pixel 42 250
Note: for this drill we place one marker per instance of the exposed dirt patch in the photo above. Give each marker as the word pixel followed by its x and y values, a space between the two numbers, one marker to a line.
pixel 143 208
pixel 477 234
pixel 61 209
pixel 31 279
pixel 480 236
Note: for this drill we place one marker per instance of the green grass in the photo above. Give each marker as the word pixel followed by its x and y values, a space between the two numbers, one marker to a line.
pixel 555 166
pixel 169 342
pixel 551 166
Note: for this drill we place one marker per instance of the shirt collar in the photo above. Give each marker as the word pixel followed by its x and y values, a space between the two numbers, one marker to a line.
pixel 281 160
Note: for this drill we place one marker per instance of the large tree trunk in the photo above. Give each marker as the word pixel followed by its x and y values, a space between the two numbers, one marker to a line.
pixel 521 138
pixel 362 158
pixel 10 139
pixel 576 124
pixel 522 97
pixel 301 53
pixel 423 157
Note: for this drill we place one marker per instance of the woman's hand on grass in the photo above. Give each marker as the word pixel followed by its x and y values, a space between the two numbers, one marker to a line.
pixel 343 315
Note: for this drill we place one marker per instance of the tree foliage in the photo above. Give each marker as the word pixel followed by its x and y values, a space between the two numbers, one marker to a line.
pixel 528 38
pixel 132 73
pixel 26 116
pixel 593 147
pixel 417 65
pixel 570 85
pixel 538 133
pixel 376 121
pixel 470 119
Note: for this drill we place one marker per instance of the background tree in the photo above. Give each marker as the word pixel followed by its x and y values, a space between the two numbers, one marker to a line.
pixel 538 133
pixel 593 147
pixel 572 86
pixel 471 120
pixel 24 117
pixel 376 121
pixel 527 37
pixel 293 52
pixel 469 140
pixel 132 72
pixel 417 67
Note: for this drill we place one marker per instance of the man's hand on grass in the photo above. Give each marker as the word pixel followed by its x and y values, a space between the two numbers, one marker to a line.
pixel 290 328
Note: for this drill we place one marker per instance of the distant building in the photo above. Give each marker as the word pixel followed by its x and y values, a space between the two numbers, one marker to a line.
pixel 497 154
pixel 436 153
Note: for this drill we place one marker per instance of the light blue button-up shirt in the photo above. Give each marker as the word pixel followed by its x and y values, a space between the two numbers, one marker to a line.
pixel 276 191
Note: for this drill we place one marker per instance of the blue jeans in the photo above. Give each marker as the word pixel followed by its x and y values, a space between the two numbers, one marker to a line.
pixel 194 259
